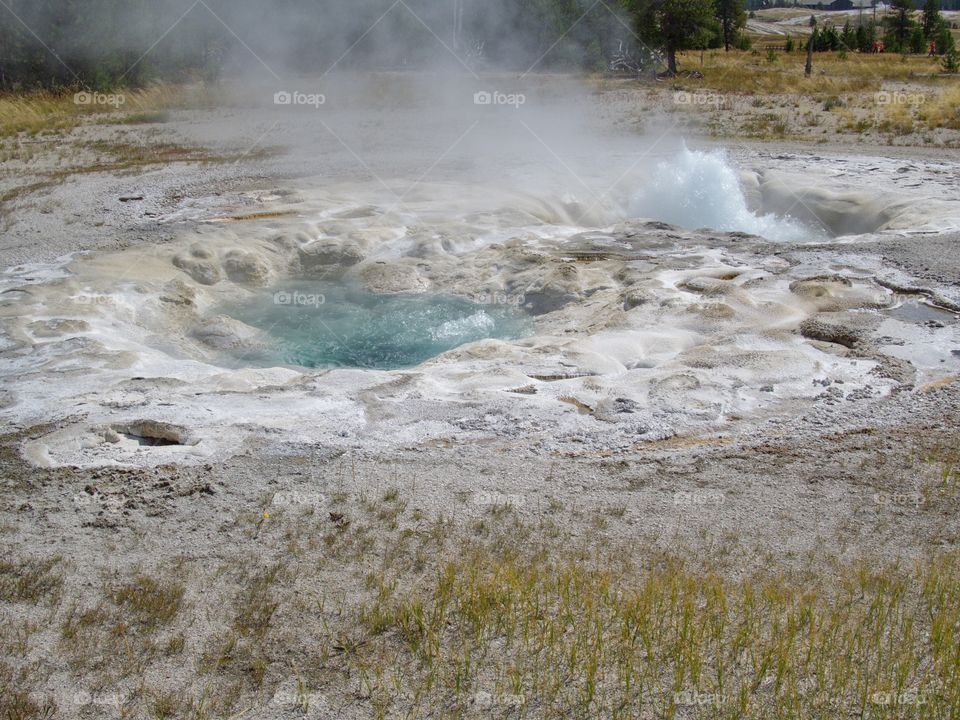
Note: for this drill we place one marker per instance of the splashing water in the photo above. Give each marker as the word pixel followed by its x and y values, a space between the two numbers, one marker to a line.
pixel 701 190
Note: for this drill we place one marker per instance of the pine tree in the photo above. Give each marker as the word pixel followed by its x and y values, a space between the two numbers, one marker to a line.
pixel 899 22
pixel 944 39
pixel 731 16
pixel 931 18
pixel 848 38
pixel 863 42
pixel 918 42
pixel 951 62
pixel 674 25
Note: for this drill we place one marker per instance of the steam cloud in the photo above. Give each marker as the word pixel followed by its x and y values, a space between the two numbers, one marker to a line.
pixel 99 41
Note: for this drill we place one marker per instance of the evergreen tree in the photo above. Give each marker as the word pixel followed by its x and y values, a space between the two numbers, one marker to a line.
pixel 951 62
pixel 674 25
pixel 826 39
pixel 931 18
pixel 863 44
pixel 944 39
pixel 899 23
pixel 866 37
pixel 918 43
pixel 732 17
pixel 848 38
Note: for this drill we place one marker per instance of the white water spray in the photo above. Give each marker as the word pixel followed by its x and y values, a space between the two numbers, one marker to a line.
pixel 701 190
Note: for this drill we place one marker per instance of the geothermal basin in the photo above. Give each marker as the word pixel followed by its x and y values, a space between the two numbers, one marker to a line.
pixel 700 293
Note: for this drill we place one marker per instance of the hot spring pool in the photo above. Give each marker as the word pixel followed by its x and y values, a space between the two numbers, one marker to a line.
pixel 318 325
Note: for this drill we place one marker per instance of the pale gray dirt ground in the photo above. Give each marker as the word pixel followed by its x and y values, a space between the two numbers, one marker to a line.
pixel 796 487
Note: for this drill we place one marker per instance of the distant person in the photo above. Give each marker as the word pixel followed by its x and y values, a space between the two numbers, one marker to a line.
pixel 933 49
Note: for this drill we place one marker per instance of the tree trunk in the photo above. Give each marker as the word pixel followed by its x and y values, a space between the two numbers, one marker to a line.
pixel 671 61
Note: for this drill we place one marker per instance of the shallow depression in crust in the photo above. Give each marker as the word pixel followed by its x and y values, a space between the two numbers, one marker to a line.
pixel 535 310
pixel 319 325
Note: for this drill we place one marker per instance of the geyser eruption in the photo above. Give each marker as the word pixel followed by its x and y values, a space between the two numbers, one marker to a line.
pixel 697 189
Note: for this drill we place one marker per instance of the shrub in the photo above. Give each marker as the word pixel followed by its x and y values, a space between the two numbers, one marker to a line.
pixel 951 62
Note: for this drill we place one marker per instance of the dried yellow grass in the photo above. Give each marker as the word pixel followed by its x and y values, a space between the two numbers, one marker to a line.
pixel 746 72
pixel 46 111
pixel 943 110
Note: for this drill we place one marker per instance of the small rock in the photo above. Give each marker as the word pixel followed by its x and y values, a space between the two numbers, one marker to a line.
pixel 625 405
pixel 636 299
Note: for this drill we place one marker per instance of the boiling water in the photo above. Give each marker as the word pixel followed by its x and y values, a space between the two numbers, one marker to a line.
pixel 329 325
pixel 685 329
pixel 702 190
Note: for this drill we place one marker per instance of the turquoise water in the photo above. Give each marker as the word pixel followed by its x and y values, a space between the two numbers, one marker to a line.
pixel 319 325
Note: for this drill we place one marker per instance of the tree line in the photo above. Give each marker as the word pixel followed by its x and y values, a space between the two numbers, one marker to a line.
pixel 100 44
pixel 903 30
pixel 900 32
pixel 753 5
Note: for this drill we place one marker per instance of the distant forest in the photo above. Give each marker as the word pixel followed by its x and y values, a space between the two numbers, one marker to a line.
pixel 104 43
pixel 829 4
pixel 101 42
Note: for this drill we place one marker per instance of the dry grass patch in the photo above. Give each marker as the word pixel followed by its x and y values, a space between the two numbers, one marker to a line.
pixel 17 699
pixel 30 581
pixel 127 631
pixel 148 601
pixel 504 613
pixel 45 111
pixel 554 637
pixel 944 456
pixel 744 72
pixel 237 662
pixel 744 95
pixel 942 110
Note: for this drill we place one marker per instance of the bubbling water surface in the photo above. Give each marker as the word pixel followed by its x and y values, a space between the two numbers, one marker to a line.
pixel 318 325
